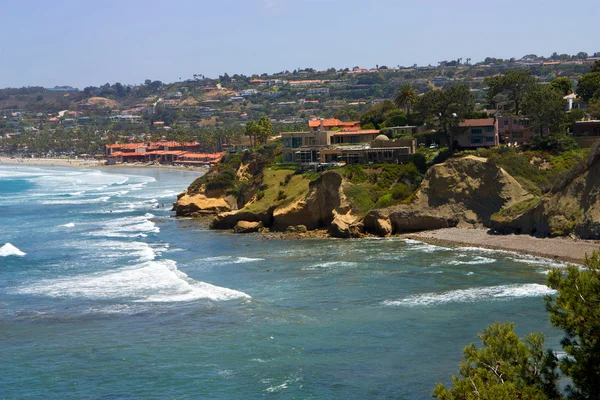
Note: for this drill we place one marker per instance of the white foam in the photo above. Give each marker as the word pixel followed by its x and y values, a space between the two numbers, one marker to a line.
pixel 242 260
pixel 329 265
pixel 475 261
pixel 152 281
pixel 69 225
pixel 138 226
pixel 474 294
pixel 10 250
pixel 424 247
pixel 103 199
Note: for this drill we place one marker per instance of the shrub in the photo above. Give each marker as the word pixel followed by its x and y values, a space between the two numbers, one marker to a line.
pixel 223 180
pixel 554 143
pixel 280 195
pixel 401 191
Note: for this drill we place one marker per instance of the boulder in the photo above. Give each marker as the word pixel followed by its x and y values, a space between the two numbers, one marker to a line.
pixel 296 229
pixel 247 227
pixel 345 226
pixel 377 224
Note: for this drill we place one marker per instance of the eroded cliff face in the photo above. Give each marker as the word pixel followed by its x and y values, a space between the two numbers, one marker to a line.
pixel 324 206
pixel 571 209
pixel 460 192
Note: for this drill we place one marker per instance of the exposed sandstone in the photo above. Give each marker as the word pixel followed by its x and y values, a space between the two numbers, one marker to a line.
pixel 463 191
pixel 198 205
pixel 572 208
pixel 247 227
pixel 345 226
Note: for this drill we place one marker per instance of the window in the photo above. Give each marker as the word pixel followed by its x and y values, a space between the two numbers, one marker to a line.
pixel 286 142
pixel 489 129
pixel 296 142
pixel 517 135
pixel 388 155
pixel 505 122
pixel 287 157
pixel 476 131
pixel 475 140
pixel 489 138
pixel 354 139
pixel 526 122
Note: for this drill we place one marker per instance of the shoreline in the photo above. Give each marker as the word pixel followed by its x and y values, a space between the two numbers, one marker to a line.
pixel 563 249
pixel 89 163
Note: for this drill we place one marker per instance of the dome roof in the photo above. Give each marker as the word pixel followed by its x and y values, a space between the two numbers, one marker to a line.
pixel 382 137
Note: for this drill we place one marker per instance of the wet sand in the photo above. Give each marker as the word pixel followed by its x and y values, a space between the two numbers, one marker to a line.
pixel 562 248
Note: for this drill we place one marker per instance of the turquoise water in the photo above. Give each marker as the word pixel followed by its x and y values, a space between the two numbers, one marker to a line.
pixel 104 295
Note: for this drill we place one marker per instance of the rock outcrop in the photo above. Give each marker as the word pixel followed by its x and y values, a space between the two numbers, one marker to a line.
pixel 247 227
pixel 325 200
pixel 573 208
pixel 460 192
pixel 318 209
pixel 199 205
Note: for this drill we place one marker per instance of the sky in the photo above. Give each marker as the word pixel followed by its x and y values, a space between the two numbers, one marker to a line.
pixel 90 43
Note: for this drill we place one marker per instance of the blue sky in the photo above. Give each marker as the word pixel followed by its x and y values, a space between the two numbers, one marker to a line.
pixel 83 43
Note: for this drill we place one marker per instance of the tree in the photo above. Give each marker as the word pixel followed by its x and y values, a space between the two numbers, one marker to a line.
pixel 514 84
pixel 545 108
pixel 563 85
pixel 505 368
pixel 596 66
pixel 406 97
pixel 588 86
pixel 446 108
pixel 576 310
pixel 254 131
pixel 265 129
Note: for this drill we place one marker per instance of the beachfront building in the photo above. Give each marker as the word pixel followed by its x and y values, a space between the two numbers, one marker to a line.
pixel 475 133
pixel 163 152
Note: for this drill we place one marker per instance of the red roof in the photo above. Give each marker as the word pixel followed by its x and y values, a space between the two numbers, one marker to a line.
pixel 478 122
pixel 331 122
pixel 358 132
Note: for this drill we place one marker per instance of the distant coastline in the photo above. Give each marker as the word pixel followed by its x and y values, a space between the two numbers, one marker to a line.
pixel 88 163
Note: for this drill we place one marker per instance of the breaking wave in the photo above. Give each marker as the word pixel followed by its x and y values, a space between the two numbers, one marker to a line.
pixel 474 294
pixel 10 250
pixel 151 281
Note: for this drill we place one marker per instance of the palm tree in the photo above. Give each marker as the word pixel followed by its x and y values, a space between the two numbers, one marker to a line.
pixel 406 97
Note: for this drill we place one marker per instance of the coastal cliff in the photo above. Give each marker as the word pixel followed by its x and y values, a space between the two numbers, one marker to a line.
pixel 460 192
pixel 571 208
pixel 249 192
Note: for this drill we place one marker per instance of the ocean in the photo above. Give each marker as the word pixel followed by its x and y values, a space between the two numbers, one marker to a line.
pixel 103 294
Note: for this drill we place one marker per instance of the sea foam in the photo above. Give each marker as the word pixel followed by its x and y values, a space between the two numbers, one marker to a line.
pixel 473 294
pixel 10 250
pixel 152 281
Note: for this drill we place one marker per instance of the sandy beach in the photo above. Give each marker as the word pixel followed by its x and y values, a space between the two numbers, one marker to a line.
pixel 560 248
pixel 88 163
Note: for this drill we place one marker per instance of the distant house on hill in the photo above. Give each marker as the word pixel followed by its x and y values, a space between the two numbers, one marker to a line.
pixel 474 133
